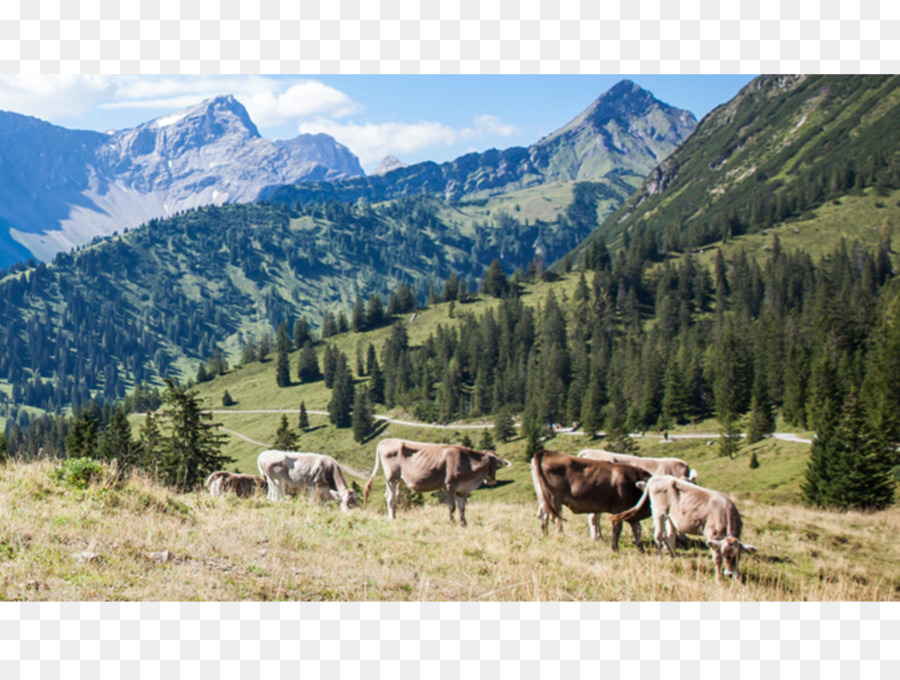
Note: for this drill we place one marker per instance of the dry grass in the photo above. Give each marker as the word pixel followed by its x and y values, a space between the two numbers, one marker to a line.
pixel 229 549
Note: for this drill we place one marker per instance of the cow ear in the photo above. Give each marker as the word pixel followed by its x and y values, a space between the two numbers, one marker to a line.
pixel 641 484
pixel 714 544
pixel 748 548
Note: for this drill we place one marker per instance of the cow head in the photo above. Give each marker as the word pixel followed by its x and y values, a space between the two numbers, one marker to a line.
pixel 730 549
pixel 496 462
pixel 348 498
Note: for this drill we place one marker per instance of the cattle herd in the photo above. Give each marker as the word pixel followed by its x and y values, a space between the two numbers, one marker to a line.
pixel 631 488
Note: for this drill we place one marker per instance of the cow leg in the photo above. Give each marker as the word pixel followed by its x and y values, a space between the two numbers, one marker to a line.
pixel 659 534
pixel 544 517
pixel 594 526
pixel 636 530
pixel 391 492
pixel 451 499
pixel 461 502
pixel 717 562
pixel 616 532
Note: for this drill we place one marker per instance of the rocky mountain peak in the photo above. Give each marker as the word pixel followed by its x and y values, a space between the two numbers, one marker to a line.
pixel 387 164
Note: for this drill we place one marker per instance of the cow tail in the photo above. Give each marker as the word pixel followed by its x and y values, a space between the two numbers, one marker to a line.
pixel 546 493
pixel 629 515
pixel 371 477
pixel 209 480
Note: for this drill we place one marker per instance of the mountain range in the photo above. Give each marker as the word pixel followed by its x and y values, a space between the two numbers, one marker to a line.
pixel 60 188
pixel 621 136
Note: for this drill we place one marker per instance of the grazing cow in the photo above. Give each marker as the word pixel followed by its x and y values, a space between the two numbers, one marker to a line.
pixel 655 466
pixel 678 505
pixel 458 470
pixel 586 486
pixel 221 482
pixel 314 471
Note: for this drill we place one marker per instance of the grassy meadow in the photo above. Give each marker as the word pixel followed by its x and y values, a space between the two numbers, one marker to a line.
pixel 139 541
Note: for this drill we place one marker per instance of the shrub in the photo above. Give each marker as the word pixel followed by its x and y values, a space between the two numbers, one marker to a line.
pixel 79 472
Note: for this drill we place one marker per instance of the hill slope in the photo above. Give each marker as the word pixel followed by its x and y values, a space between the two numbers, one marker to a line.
pixel 782 147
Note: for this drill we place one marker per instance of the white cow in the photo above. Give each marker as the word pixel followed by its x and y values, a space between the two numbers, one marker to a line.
pixel 655 466
pixel 678 505
pixel 313 471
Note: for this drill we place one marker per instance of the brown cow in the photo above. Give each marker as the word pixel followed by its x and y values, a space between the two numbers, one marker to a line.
pixel 678 505
pixel 314 471
pixel 586 486
pixel 458 470
pixel 221 482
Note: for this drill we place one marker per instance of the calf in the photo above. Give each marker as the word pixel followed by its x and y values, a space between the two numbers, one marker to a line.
pixel 587 486
pixel 221 482
pixel 678 505
pixel 313 471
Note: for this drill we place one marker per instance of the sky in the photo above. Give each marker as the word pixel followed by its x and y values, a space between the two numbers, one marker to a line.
pixel 413 117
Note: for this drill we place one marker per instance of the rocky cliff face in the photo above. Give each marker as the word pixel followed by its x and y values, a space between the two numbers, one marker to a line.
pixel 60 188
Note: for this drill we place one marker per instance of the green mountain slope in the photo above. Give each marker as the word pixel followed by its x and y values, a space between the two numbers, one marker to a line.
pixel 782 147
pixel 156 300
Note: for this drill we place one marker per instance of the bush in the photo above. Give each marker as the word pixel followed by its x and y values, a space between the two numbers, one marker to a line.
pixel 79 472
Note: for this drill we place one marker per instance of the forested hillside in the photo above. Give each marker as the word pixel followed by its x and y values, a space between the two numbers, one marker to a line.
pixel 156 300
pixel 782 147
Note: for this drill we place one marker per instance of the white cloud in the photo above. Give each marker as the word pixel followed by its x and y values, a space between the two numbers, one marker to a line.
pixel 373 141
pixel 53 97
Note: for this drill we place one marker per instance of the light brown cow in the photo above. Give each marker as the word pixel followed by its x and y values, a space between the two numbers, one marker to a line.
pixel 678 505
pixel 315 472
pixel 586 486
pixel 458 470
pixel 655 466
pixel 221 482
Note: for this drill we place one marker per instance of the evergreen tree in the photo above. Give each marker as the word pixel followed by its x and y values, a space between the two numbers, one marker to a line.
pixel 308 364
pixel 358 316
pixel 285 437
pixel 363 417
pixel 303 423
pixel 486 443
pixel 81 442
pixel 504 428
pixel 762 418
pixel 376 382
pixel 149 444
pixel 881 389
pixel 374 311
pixel 282 347
pixel 754 461
pixel 329 363
pixel 495 283
pixel 227 399
pixel 191 451
pixel 302 333
pixel 116 442
pixel 250 353
pixel 264 348
pixel 202 374
pixel 343 394
pixel 850 463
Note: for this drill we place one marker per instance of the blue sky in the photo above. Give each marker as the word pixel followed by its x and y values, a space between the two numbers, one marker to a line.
pixel 415 118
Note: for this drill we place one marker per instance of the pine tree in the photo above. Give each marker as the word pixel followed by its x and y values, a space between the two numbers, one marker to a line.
pixel 301 333
pixel 754 461
pixel 363 418
pixel 303 423
pixel 116 442
pixel 762 418
pixel 376 382
pixel 249 354
pixel 285 437
pixel 191 451
pixel 850 463
pixel 81 441
pixel 486 443
pixel 282 347
pixel 504 428
pixel 148 444
pixel 227 399
pixel 308 364
pixel 495 283
pixel 343 395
